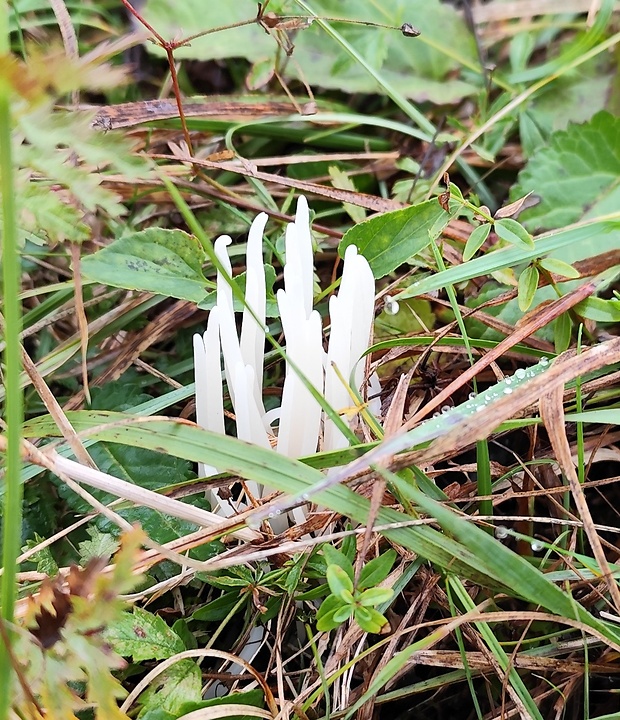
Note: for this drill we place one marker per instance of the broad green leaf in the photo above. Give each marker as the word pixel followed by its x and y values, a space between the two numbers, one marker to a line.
pixel 375 571
pixel 339 583
pixel 325 614
pixel 575 175
pixel 143 636
pixel 475 241
pixel 425 68
pixel 165 262
pixel 389 240
pixel 513 232
pixel 528 284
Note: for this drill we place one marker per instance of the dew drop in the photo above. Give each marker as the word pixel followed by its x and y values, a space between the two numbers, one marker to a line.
pixel 520 374
pixel 277 512
pixel 473 395
pixel 480 408
pixel 507 391
pixel 508 381
pixel 536 546
pixel 544 361
pixel 445 409
pixel 501 532
pixel 305 496
pixel 390 305
pixel 436 414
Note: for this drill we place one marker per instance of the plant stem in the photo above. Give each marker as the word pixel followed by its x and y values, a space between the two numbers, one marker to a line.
pixel 13 415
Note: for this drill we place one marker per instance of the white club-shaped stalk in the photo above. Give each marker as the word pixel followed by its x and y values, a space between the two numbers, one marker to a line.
pixel 300 415
pixel 351 314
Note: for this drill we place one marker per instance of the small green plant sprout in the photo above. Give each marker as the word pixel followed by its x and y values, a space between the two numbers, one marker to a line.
pixel 347 600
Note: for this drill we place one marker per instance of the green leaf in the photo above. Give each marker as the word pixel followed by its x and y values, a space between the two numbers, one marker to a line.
pixel 165 262
pixel 389 240
pixel 325 614
pixel 375 596
pixel 339 582
pixel 559 267
pixel 143 636
pixel 599 310
pixel 375 571
pixel 562 327
pixel 219 608
pixel 177 686
pixel 333 556
pixel 528 284
pixel 513 232
pixel 573 242
pixel 575 175
pixel 476 240
pixel 425 68
pixel 343 614
pixel 371 621
pixel 100 545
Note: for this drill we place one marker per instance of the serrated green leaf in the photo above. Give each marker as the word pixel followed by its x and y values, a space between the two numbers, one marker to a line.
pixel 559 267
pixel 528 284
pixel 425 67
pixel 513 232
pixel 339 582
pixel 375 571
pixel 100 545
pixel 166 262
pixel 143 636
pixel 177 686
pixel 389 240
pixel 575 175
pixel 475 241
pixel 375 596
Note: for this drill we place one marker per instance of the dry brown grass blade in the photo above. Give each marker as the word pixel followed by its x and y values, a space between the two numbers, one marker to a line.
pixel 476 428
pixel 370 202
pixel 544 317
pixel 57 413
pixel 552 413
